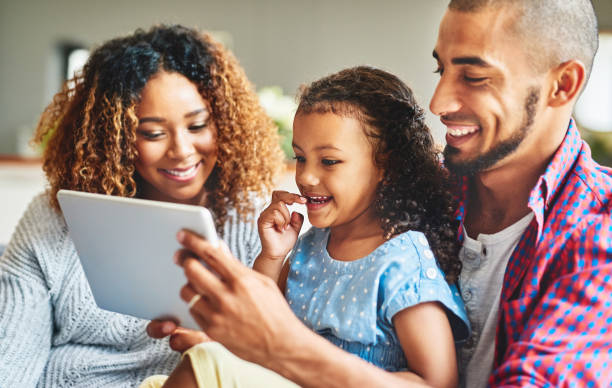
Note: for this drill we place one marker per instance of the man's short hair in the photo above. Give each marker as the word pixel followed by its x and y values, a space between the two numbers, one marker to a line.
pixel 554 31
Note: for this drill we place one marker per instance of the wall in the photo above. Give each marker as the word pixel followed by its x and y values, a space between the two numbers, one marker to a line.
pixel 603 9
pixel 279 42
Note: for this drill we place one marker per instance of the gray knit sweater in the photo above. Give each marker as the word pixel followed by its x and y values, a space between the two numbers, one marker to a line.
pixel 52 334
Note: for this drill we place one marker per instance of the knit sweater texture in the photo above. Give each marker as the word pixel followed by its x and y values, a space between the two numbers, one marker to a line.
pixel 52 334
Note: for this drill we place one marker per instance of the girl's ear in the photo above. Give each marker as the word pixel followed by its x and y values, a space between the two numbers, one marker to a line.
pixel 568 80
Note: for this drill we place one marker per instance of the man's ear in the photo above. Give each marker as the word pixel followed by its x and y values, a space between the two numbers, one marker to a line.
pixel 568 80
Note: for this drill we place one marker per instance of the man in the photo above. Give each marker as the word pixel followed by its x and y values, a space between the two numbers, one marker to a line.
pixel 532 198
pixel 535 211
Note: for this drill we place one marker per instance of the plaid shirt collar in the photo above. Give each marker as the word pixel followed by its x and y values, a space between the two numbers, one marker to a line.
pixel 547 186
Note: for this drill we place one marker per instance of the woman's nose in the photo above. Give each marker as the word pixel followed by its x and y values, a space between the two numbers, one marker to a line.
pixel 182 145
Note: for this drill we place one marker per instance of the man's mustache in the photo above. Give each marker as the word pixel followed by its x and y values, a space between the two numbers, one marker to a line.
pixel 461 118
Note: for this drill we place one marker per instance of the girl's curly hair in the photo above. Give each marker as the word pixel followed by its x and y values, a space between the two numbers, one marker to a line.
pixel 415 191
pixel 90 124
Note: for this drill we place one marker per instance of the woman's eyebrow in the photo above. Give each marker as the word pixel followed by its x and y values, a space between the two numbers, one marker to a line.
pixel 150 119
pixel 161 120
pixel 196 112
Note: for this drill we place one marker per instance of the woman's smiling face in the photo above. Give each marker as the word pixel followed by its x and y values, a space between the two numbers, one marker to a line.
pixel 175 139
pixel 335 170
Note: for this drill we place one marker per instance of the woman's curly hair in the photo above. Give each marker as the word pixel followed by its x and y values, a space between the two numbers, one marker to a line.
pixel 90 124
pixel 414 193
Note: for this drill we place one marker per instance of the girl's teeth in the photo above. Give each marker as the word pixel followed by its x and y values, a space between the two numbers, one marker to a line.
pixel 317 199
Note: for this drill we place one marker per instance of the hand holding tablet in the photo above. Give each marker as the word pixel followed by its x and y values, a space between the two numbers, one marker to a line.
pixel 126 247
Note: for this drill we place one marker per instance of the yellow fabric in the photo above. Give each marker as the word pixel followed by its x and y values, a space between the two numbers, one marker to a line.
pixel 155 381
pixel 215 367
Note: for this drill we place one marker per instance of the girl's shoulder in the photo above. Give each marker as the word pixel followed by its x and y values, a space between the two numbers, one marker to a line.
pixel 410 238
pixel 410 247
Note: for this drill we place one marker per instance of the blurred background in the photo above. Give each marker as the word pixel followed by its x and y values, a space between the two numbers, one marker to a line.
pixel 280 43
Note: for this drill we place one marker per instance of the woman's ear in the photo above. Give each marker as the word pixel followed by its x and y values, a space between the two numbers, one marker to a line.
pixel 568 79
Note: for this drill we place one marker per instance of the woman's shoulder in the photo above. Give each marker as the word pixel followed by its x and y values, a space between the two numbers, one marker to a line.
pixel 40 240
pixel 41 215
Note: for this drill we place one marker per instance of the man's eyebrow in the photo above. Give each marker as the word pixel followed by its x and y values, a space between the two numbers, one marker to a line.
pixel 474 61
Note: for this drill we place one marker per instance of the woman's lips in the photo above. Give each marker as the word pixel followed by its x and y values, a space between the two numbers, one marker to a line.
pixel 182 174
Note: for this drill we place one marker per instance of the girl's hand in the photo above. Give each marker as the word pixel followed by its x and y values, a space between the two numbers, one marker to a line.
pixel 279 229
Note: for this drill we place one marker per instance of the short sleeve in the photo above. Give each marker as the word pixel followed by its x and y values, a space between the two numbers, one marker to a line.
pixel 416 278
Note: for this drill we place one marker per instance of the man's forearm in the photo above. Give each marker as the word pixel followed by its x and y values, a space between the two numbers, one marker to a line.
pixel 311 361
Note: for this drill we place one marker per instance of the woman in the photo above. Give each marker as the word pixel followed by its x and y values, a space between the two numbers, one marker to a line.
pixel 165 114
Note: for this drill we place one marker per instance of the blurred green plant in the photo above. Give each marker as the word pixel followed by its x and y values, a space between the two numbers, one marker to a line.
pixel 601 145
pixel 281 108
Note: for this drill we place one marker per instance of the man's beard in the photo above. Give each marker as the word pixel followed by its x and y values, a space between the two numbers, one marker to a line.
pixel 499 151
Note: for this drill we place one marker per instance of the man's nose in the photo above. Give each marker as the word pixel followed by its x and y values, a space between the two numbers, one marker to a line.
pixel 446 98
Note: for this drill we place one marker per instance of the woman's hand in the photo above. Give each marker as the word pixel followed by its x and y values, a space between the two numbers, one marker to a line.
pixel 181 339
pixel 238 307
pixel 279 229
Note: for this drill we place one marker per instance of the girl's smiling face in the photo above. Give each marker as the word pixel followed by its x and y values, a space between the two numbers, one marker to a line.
pixel 175 139
pixel 335 170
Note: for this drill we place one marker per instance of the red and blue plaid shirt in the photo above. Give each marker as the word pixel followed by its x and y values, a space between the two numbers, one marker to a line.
pixel 555 320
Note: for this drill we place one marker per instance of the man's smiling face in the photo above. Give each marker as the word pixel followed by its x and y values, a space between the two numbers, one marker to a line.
pixel 488 93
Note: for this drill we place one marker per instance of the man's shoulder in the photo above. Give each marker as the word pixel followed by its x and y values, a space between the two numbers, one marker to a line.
pixel 588 187
pixel 593 179
pixel 578 222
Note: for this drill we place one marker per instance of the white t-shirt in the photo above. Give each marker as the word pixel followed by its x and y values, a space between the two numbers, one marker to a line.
pixel 484 265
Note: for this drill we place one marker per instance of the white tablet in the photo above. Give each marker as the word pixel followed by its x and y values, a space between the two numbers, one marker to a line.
pixel 126 247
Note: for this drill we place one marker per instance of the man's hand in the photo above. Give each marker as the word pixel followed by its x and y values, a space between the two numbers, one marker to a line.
pixel 238 307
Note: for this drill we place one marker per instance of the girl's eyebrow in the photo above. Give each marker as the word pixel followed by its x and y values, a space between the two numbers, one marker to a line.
pixel 319 148
pixel 161 120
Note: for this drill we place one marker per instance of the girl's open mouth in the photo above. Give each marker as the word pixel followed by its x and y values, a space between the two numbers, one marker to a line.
pixel 317 202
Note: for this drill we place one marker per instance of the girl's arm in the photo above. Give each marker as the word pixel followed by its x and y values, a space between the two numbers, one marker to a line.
pixel 278 231
pixel 427 340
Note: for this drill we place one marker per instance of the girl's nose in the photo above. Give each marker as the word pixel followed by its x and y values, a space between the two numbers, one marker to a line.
pixel 306 176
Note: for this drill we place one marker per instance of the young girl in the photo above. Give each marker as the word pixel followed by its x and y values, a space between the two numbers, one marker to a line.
pixel 366 275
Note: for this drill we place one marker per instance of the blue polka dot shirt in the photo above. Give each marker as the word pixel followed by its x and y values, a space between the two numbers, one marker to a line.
pixel 352 303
